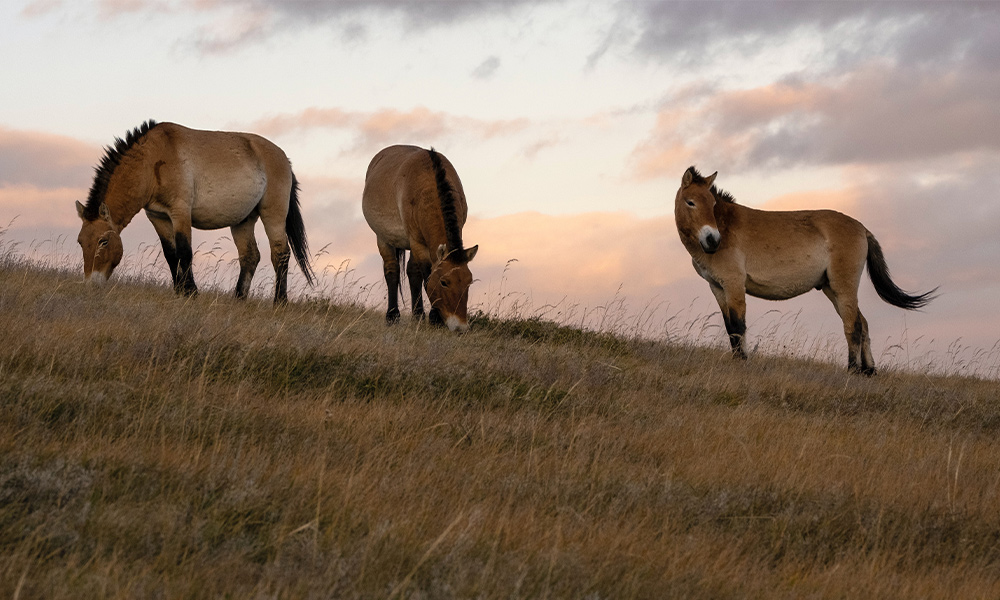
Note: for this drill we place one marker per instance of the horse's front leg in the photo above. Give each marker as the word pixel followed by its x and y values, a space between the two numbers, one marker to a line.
pixel 165 231
pixel 733 304
pixel 417 271
pixel 184 278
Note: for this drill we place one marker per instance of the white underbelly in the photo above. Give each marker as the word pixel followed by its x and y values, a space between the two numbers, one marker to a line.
pixel 226 203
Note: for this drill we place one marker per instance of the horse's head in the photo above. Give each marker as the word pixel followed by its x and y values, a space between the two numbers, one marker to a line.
pixel 101 244
pixel 694 211
pixel 448 287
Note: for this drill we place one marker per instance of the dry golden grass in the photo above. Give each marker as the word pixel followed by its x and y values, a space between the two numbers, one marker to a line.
pixel 159 447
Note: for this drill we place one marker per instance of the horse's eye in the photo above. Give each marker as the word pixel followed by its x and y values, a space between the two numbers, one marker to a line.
pixel 444 283
pixel 690 203
pixel 102 243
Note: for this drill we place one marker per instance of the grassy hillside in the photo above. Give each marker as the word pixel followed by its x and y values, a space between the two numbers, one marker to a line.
pixel 155 446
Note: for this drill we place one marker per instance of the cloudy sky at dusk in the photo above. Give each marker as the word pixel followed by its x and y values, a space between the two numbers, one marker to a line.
pixel 569 122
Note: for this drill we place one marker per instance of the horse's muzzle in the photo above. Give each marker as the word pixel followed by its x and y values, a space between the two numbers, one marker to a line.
pixel 709 238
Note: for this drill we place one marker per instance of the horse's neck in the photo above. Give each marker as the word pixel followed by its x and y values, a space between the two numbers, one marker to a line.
pixel 131 194
pixel 728 214
pixel 431 224
pixel 429 221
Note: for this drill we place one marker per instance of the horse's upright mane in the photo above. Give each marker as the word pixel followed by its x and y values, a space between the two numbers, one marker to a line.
pixel 720 194
pixel 446 193
pixel 112 158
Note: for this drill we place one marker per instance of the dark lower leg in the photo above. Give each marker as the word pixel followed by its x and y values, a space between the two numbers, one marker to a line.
pixel 415 273
pixel 392 282
pixel 184 276
pixel 281 278
pixel 171 255
pixel 860 359
pixel 249 259
pixel 736 327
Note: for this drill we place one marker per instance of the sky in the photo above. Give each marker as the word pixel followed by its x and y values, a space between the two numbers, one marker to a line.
pixel 570 124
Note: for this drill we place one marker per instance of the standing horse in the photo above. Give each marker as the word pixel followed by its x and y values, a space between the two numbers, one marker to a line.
pixel 413 200
pixel 778 255
pixel 186 178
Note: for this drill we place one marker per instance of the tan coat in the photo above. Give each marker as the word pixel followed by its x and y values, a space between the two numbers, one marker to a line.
pixel 408 197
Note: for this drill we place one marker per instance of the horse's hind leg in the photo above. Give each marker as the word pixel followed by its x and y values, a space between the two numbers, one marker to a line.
pixel 277 239
pixel 246 245
pixel 390 268
pixel 859 349
pixel 734 310
pixel 867 360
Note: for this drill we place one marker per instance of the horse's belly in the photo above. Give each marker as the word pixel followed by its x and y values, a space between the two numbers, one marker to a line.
pixel 776 290
pixel 784 284
pixel 218 206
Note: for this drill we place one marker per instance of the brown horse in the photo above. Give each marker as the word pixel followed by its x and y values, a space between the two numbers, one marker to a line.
pixel 186 178
pixel 413 200
pixel 778 255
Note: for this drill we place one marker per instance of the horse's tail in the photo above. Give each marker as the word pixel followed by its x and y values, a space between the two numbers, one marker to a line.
pixel 878 271
pixel 401 259
pixel 296 231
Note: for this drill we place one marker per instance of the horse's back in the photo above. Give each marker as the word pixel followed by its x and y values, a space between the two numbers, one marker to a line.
pixel 226 174
pixel 222 150
pixel 787 253
pixel 396 176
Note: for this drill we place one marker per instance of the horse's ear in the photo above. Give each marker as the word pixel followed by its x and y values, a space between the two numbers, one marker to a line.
pixel 470 253
pixel 442 251
pixel 688 177
pixel 79 209
pixel 104 212
pixel 711 179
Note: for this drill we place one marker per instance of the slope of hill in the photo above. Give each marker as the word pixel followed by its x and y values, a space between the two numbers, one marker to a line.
pixel 156 446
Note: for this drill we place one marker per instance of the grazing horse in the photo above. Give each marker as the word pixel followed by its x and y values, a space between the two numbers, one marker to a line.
pixel 778 255
pixel 186 178
pixel 413 200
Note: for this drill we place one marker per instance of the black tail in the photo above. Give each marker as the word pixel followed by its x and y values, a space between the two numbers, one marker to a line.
pixel 878 271
pixel 296 231
pixel 401 259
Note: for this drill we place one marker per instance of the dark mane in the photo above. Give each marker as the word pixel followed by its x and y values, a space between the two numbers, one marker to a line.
pixel 720 194
pixel 446 193
pixel 112 158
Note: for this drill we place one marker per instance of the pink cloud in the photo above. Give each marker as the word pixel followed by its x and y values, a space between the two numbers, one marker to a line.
pixel 39 207
pixel 585 257
pixel 376 129
pixel 44 159
pixel 39 8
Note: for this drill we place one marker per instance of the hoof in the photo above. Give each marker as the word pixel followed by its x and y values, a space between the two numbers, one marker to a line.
pixel 866 371
pixel 392 316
